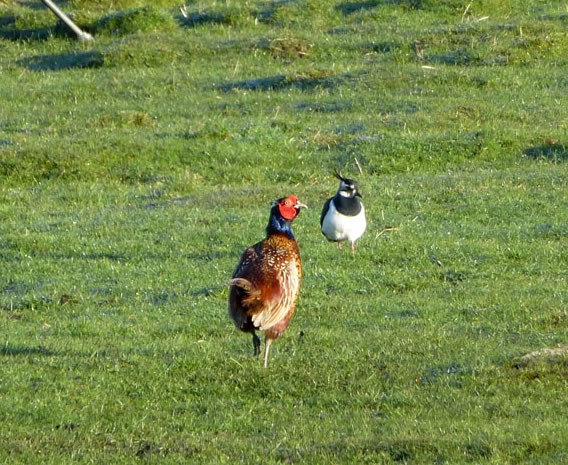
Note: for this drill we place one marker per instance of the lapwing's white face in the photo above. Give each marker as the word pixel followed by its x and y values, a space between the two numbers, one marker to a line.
pixel 347 189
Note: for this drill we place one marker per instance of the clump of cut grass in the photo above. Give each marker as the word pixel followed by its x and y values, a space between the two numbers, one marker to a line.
pixel 138 20
pixel 30 19
pixel 287 13
pixel 228 15
pixel 124 119
pixel 543 365
pixel 558 354
pixel 152 50
pixel 119 5
pixel 289 48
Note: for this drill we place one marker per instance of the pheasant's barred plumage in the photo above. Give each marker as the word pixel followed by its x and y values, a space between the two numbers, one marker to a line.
pixel 266 283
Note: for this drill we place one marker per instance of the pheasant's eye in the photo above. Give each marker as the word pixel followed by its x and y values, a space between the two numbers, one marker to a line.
pixel 287 203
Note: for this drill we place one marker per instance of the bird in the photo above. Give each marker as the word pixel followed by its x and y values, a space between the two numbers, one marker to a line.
pixel 343 215
pixel 265 285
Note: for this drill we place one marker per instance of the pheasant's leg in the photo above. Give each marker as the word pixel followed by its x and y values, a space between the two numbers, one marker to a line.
pixel 352 246
pixel 267 343
pixel 338 245
pixel 256 343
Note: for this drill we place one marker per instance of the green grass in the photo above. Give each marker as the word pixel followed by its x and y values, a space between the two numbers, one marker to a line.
pixel 135 169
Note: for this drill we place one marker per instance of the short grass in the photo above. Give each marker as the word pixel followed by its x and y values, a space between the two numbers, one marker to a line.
pixel 135 169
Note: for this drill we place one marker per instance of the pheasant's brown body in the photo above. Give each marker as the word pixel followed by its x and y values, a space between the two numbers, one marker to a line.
pixel 265 286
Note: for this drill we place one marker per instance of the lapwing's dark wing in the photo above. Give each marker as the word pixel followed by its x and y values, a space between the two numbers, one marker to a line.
pixel 325 210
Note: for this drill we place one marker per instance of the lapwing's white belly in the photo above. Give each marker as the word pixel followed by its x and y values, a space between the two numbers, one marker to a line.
pixel 339 227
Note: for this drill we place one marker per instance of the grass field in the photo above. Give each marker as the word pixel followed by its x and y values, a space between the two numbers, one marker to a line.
pixel 135 169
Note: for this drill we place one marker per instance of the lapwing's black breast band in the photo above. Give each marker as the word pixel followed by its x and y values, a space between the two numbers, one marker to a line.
pixel 349 206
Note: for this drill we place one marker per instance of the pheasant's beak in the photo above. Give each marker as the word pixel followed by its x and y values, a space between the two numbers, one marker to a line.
pixel 299 205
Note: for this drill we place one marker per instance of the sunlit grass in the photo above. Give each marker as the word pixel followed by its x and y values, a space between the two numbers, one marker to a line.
pixel 136 169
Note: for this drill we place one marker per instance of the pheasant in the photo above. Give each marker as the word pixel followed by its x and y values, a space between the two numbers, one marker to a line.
pixel 265 284
pixel 343 215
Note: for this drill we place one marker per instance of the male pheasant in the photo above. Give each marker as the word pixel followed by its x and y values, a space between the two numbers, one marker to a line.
pixel 343 215
pixel 266 282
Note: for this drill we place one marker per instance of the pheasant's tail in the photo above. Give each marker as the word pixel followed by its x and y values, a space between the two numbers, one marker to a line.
pixel 252 291
pixel 244 284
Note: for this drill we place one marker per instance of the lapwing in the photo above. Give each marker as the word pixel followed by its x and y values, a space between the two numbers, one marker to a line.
pixel 343 215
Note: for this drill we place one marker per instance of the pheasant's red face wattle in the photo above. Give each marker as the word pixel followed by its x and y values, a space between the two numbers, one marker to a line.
pixel 288 208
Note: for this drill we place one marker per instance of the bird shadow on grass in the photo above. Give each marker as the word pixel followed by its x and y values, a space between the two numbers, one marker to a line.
pixel 264 84
pixel 551 152
pixel 325 107
pixel 207 291
pixel 282 82
pixel 88 59
pixel 464 56
pixel 9 350
pixel 209 256
pixel 348 8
